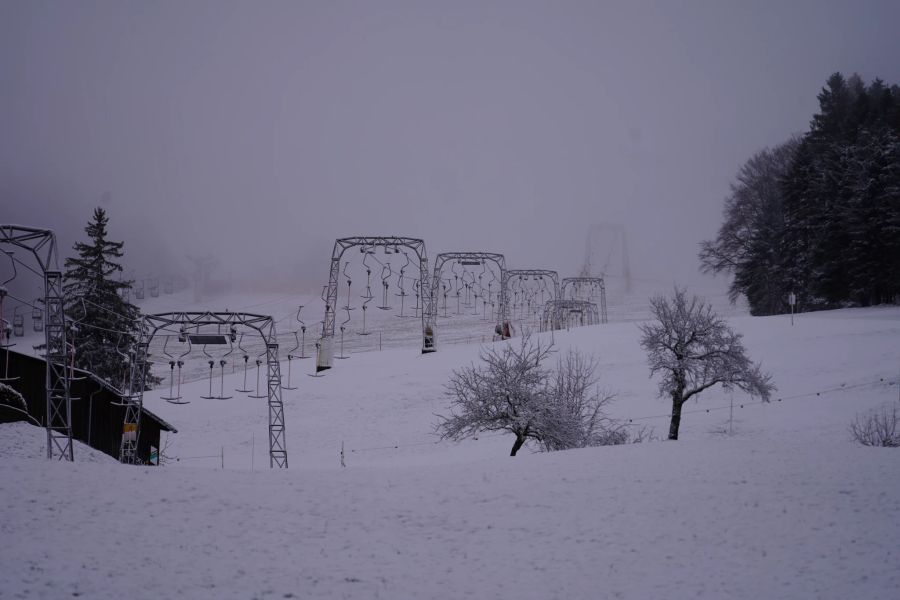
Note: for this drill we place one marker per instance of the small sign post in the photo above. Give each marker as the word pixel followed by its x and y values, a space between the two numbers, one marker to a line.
pixel 792 300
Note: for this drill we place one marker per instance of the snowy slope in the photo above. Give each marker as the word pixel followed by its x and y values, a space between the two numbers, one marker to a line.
pixel 786 506
pixel 24 440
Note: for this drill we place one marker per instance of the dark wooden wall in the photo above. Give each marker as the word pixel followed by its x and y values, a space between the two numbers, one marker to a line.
pixel 97 416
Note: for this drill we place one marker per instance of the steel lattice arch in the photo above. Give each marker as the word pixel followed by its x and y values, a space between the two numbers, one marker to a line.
pixel 183 322
pixel 471 258
pixel 576 284
pixel 368 244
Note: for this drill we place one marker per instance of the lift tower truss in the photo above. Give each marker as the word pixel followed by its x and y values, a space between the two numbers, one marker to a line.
pixel 471 258
pixel 574 284
pixel 560 312
pixel 553 276
pixel 612 236
pixel 368 244
pixel 42 245
pixel 264 325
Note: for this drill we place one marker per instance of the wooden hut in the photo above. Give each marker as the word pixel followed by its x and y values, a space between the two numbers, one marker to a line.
pixel 97 411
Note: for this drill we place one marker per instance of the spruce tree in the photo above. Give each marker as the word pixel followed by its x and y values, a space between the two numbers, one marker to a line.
pixel 103 321
pixel 831 231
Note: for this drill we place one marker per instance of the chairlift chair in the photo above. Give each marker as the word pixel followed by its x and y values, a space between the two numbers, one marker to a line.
pixel 37 316
pixel 18 323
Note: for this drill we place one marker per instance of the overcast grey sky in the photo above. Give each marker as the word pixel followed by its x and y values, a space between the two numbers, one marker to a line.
pixel 260 131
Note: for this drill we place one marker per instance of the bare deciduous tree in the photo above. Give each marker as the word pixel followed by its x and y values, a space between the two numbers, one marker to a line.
pixel 512 391
pixel 694 350
pixel 506 394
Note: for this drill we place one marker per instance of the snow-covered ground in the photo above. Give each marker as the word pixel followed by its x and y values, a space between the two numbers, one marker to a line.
pixel 774 502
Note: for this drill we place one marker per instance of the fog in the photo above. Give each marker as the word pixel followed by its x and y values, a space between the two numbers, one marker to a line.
pixel 259 132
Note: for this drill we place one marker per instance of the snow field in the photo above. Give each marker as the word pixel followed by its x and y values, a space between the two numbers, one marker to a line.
pixel 785 507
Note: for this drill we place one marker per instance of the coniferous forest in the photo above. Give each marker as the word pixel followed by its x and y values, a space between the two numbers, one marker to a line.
pixel 819 215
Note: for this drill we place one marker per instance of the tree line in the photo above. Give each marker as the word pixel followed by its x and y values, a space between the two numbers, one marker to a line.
pixel 819 215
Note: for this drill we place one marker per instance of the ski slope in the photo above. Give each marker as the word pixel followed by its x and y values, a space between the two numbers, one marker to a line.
pixel 775 501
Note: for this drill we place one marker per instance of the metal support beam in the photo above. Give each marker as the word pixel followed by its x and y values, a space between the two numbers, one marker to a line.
pixel 277 443
pixel 133 399
pixel 42 245
pixel 59 403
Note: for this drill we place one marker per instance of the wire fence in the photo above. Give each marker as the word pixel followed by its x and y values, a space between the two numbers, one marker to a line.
pixel 880 381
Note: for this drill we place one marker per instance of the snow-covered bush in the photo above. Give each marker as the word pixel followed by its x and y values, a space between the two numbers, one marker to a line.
pixel 10 397
pixel 574 415
pixel 878 427
pixel 513 391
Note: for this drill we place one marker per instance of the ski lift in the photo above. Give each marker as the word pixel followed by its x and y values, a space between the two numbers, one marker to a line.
pixel 139 289
pixel 468 286
pixel 368 296
pixel 175 397
pixel 246 357
pixel 256 394
pixel 417 287
pixel 347 307
pixel 124 388
pixel 385 274
pixel 18 323
pixel 153 286
pixel 215 340
pixel 168 286
pixel 401 285
pixel 291 357
pixel 343 326
pixel 7 329
pixel 6 332
pixel 302 334
pixel 445 284
pixel 37 316
pixel 455 286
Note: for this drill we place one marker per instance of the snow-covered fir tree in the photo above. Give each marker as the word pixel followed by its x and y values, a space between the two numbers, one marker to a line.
pixel 820 215
pixel 102 322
